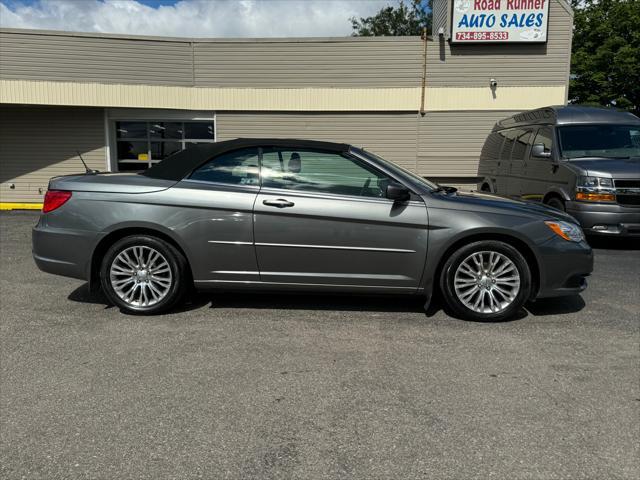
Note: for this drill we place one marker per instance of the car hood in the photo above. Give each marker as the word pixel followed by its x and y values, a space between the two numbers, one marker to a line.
pixel 605 167
pixel 109 183
pixel 491 203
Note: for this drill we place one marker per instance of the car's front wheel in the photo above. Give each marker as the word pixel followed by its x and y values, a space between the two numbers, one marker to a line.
pixel 144 274
pixel 486 281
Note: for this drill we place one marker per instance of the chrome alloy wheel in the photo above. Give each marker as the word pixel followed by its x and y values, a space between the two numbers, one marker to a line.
pixel 487 282
pixel 140 276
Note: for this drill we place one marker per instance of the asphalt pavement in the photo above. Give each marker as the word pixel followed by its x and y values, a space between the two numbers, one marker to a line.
pixel 274 386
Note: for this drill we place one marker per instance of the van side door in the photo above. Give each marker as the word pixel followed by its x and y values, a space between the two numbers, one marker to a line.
pixel 490 160
pixel 519 155
pixel 541 172
pixel 504 163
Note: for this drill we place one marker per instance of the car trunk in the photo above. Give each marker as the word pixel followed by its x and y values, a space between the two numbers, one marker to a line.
pixel 110 183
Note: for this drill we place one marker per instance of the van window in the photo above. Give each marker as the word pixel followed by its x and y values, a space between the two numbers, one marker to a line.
pixel 608 141
pixel 512 136
pixel 544 137
pixel 507 145
pixel 491 148
pixel 520 144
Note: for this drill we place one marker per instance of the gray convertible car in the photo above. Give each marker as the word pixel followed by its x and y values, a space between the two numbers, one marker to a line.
pixel 296 215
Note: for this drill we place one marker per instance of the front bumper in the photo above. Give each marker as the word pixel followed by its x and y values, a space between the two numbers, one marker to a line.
pixel 618 219
pixel 564 267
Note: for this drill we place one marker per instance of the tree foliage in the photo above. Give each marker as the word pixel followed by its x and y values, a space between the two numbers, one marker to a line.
pixel 605 61
pixel 401 20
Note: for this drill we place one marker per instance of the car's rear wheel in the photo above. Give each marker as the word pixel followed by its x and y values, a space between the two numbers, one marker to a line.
pixel 486 281
pixel 144 275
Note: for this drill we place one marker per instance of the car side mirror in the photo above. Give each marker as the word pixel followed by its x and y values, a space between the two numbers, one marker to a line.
pixel 397 192
pixel 539 151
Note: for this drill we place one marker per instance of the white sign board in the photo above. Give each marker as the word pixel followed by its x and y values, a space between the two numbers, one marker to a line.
pixel 499 21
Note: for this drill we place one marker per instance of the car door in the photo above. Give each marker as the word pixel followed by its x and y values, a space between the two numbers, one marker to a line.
pixel 215 218
pixel 321 218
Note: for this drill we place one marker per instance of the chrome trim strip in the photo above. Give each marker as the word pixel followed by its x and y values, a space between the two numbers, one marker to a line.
pixel 225 242
pixel 235 272
pixel 252 282
pixel 337 275
pixel 335 247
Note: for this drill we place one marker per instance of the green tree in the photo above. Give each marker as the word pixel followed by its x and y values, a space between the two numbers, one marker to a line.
pixel 398 21
pixel 605 60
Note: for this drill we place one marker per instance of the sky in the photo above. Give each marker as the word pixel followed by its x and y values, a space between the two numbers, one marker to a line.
pixel 191 18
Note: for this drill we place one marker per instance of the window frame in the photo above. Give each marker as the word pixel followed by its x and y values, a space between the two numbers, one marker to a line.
pixel 116 160
pixel 552 137
pixel 260 187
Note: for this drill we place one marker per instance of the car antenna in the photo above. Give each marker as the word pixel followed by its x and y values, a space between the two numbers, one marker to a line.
pixel 87 169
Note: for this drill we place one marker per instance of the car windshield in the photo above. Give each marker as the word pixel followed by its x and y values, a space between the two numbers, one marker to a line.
pixel 607 141
pixel 393 167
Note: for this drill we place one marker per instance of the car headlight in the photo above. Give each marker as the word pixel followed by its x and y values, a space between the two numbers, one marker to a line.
pixel 595 189
pixel 569 231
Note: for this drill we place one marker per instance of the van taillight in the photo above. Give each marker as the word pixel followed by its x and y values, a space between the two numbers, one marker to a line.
pixel 54 199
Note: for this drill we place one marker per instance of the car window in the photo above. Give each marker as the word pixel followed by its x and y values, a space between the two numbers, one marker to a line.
pixel 240 167
pixel 544 137
pixel 320 171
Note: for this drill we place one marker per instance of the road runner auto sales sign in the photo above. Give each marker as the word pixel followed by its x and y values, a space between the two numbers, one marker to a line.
pixel 497 21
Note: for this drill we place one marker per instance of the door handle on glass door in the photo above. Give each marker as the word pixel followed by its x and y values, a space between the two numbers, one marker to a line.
pixel 280 203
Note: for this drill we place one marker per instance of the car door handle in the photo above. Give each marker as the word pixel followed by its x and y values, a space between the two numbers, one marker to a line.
pixel 280 203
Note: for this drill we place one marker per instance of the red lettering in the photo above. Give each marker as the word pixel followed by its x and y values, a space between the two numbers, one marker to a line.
pixel 486 5
pixel 525 4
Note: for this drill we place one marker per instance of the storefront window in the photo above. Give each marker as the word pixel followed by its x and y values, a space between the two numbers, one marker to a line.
pixel 143 143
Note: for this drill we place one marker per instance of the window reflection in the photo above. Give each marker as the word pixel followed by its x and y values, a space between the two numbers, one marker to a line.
pixel 140 144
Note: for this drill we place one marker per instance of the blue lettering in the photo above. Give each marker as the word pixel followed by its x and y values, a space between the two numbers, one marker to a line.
pixel 539 18
pixel 503 20
pixel 530 18
pixel 491 20
pixel 464 21
pixel 514 21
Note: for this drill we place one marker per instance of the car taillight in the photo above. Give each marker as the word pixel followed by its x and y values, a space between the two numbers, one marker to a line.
pixel 54 199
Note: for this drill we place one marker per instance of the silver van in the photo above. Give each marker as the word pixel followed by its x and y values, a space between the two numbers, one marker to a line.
pixel 583 160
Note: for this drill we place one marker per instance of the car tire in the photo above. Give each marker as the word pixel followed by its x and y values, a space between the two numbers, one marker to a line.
pixel 557 203
pixel 502 280
pixel 144 275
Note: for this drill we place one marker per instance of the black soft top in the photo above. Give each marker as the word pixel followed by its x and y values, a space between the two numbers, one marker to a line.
pixel 178 166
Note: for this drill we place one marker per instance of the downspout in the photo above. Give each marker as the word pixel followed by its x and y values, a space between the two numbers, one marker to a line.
pixel 424 70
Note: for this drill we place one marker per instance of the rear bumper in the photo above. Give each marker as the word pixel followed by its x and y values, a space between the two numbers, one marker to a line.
pixel 62 252
pixel 565 267
pixel 618 220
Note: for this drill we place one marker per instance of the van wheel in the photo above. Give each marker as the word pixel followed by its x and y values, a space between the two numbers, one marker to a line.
pixel 485 188
pixel 555 202
pixel 145 275
pixel 486 281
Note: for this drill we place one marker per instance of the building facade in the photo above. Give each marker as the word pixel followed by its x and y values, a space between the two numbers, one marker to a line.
pixel 126 102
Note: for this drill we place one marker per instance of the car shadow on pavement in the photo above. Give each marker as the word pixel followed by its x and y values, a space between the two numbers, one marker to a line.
pixel 611 243
pixel 353 303
pixel 305 301
pixel 83 294
pixel 556 306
